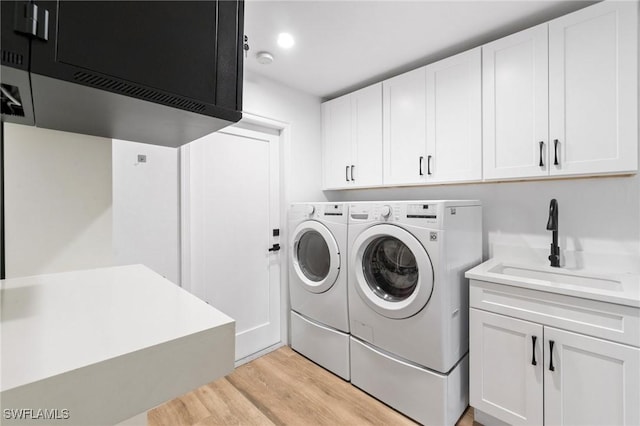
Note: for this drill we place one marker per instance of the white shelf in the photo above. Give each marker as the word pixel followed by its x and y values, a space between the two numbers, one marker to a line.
pixel 111 342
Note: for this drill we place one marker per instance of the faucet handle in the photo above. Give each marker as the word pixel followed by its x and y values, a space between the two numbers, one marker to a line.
pixel 552 223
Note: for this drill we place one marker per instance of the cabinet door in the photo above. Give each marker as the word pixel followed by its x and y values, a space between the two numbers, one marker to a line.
pixel 594 382
pixel 404 139
pixel 593 89
pixel 336 142
pixel 515 105
pixel 454 111
pixel 503 380
pixel 366 107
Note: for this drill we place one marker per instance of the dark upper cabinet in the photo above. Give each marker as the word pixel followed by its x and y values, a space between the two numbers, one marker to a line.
pixel 161 72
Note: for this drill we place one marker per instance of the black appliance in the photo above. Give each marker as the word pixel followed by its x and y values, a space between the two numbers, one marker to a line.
pixel 159 72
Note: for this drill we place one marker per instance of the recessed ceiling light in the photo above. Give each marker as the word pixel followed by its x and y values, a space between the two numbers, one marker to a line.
pixel 285 40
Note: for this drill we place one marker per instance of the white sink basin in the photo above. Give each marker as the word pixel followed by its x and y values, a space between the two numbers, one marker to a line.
pixel 620 288
pixel 558 277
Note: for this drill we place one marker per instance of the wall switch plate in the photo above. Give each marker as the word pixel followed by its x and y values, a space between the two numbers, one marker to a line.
pixel 142 158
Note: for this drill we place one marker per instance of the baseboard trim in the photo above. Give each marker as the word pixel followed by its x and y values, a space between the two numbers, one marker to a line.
pixel 258 354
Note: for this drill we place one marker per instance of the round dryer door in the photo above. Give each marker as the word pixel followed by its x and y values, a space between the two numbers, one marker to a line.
pixel 316 257
pixel 393 271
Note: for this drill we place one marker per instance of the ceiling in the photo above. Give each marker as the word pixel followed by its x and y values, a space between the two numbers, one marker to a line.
pixel 345 45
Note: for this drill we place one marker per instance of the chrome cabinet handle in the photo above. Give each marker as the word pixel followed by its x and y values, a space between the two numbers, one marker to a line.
pixel 429 165
pixel 533 350
pixel 555 150
pixel 352 167
pixel 551 367
pixel 541 147
pixel 420 165
pixel 346 173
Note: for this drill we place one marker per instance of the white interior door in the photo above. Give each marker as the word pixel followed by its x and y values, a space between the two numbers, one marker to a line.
pixel 233 210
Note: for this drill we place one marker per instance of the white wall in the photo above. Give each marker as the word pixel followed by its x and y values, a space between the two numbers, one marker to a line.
pixel 595 215
pixel 146 225
pixel 57 201
pixel 267 98
pixel 146 196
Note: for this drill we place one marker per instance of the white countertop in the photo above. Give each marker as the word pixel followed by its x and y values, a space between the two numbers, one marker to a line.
pixel 624 288
pixel 59 323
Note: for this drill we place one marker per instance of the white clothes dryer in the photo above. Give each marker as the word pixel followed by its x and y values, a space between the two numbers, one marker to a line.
pixel 318 284
pixel 408 303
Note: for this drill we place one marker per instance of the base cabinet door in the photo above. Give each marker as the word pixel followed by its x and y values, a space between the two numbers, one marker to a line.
pixel 589 381
pixel 505 372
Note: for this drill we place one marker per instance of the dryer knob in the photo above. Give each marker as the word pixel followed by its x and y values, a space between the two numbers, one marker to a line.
pixel 311 210
pixel 385 211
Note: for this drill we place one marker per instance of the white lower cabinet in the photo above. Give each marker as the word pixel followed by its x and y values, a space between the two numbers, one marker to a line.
pixel 529 373
pixel 593 381
pixel 505 378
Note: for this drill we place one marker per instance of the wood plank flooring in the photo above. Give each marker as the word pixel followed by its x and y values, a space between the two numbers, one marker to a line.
pixel 280 388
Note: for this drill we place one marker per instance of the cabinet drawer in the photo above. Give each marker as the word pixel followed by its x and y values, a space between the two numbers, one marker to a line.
pixel 605 320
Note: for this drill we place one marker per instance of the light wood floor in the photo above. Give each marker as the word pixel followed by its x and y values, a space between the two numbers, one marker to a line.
pixel 280 388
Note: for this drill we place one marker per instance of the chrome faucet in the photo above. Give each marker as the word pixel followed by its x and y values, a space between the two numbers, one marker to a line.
pixel 552 225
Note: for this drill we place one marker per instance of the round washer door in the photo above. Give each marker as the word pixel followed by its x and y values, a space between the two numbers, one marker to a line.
pixel 393 271
pixel 315 256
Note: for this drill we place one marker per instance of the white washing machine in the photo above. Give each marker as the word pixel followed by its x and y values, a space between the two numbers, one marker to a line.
pixel 318 284
pixel 408 303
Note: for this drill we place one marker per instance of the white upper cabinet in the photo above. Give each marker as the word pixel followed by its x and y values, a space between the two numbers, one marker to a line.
pixel 454 119
pixel 515 105
pixel 404 118
pixel 336 142
pixel 593 89
pixel 562 98
pixel 558 99
pixel 432 123
pixel 352 139
pixel 366 113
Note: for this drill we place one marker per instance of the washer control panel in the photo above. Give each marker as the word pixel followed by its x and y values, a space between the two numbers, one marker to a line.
pixel 390 212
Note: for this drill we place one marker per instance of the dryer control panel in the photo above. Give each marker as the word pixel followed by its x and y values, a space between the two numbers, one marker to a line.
pixel 421 211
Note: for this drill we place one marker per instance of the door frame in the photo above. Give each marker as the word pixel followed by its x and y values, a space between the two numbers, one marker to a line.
pixel 253 122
